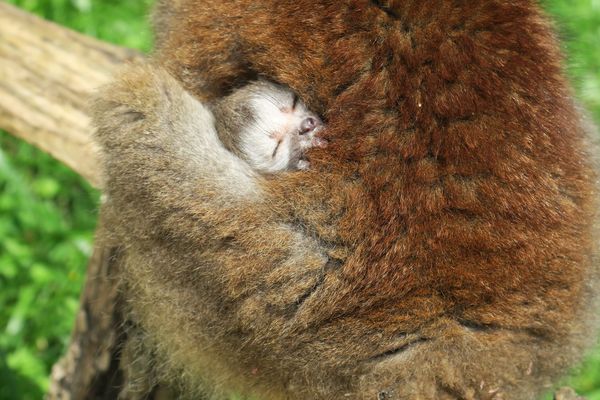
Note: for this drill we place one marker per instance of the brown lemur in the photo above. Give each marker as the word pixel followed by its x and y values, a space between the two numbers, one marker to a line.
pixel 442 246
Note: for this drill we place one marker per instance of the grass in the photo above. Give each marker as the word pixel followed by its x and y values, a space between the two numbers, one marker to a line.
pixel 49 213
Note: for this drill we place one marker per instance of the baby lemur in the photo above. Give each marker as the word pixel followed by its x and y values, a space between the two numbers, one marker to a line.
pixel 268 126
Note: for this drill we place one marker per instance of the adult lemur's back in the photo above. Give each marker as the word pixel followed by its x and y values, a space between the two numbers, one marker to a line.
pixel 441 247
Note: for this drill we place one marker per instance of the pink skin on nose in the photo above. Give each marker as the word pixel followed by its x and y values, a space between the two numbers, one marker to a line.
pixel 308 127
pixel 312 125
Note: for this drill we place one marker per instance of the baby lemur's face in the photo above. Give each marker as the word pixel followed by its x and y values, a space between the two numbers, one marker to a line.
pixel 279 128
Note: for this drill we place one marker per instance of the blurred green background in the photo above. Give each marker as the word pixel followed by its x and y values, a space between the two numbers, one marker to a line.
pixel 48 213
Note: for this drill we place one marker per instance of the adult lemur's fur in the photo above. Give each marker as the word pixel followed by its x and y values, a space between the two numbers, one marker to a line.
pixel 441 247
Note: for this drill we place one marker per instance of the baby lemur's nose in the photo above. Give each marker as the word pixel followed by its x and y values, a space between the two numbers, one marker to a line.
pixel 309 124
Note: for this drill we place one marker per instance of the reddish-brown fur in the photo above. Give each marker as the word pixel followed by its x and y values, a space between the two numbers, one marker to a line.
pixel 455 203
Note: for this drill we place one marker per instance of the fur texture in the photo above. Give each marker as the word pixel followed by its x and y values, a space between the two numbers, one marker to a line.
pixel 267 126
pixel 442 246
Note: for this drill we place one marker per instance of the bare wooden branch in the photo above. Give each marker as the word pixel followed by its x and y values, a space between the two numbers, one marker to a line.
pixel 46 76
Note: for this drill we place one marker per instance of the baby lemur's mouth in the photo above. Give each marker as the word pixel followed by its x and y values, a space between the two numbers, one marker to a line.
pixel 319 142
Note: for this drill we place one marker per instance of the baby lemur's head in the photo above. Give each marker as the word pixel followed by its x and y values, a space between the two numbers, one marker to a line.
pixel 268 126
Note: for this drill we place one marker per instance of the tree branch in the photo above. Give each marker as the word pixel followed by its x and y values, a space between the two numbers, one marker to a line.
pixel 46 76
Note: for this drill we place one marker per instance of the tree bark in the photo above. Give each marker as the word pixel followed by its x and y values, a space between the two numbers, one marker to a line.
pixel 90 368
pixel 47 74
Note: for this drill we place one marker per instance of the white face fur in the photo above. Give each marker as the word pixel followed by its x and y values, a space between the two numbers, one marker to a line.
pixel 280 132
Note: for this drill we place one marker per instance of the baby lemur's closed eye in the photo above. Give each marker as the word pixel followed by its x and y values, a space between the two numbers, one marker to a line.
pixel 268 126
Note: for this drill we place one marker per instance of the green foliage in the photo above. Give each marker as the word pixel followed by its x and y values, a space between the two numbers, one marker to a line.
pixel 47 219
pixel 578 23
pixel 120 22
pixel 48 213
pixel 45 236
